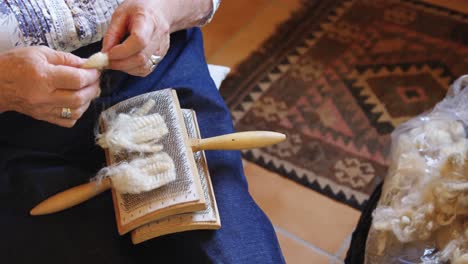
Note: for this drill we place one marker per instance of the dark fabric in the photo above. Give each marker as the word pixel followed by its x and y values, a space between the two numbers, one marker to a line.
pixel 357 248
pixel 38 159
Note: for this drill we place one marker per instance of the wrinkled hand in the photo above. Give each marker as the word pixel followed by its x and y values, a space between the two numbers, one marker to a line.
pixel 148 34
pixel 39 82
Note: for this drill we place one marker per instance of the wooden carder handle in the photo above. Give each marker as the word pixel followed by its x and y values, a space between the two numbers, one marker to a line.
pixel 84 192
pixel 238 141
pixel 71 197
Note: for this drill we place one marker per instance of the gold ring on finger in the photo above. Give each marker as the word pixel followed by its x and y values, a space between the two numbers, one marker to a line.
pixel 66 113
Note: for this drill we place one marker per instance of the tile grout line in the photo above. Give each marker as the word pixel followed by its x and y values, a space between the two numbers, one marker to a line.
pixel 306 244
pixel 247 25
pixel 343 246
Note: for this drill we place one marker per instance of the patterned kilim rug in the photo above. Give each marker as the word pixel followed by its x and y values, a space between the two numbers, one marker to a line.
pixel 337 78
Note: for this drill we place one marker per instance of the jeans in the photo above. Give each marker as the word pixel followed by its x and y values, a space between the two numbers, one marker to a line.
pixel 38 159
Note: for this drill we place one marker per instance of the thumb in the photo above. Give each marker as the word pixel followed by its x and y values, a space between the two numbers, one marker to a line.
pixel 64 58
pixel 116 31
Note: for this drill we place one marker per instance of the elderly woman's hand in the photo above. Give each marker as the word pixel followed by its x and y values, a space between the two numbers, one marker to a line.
pixel 149 35
pixel 148 25
pixel 41 82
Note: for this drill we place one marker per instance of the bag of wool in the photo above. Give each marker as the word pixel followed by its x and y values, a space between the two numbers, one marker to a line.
pixel 422 215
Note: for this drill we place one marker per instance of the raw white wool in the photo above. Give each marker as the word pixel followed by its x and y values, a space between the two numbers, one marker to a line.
pixel 134 133
pixel 98 61
pixel 141 174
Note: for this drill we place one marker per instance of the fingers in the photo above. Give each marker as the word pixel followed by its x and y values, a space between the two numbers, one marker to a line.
pixel 76 113
pixel 54 115
pixel 63 58
pixel 141 71
pixel 71 94
pixel 137 60
pixel 141 31
pixel 77 101
pixel 65 77
pixel 148 35
pixel 137 65
pixel 51 80
pixel 64 71
pixel 116 31
pixel 76 98
pixel 141 64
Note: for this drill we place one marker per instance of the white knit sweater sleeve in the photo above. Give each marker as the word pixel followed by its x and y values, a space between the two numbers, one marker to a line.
pixel 64 25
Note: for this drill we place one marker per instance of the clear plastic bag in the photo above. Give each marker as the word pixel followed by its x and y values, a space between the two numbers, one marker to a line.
pixel 422 215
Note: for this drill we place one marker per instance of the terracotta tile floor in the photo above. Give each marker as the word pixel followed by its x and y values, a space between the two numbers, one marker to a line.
pixel 311 228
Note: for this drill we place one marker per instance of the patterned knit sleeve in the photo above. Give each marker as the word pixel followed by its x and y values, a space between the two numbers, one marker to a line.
pixel 64 25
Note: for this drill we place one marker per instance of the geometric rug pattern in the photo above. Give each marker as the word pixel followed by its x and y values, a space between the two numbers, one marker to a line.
pixel 337 78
